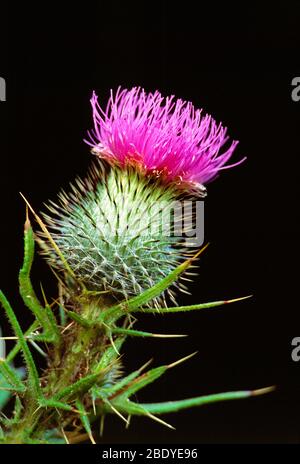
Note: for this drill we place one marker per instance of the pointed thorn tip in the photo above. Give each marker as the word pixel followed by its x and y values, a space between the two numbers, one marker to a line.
pixel 234 300
pixel 263 391
pixel 181 360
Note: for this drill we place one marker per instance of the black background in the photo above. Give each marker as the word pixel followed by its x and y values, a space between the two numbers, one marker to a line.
pixel 237 63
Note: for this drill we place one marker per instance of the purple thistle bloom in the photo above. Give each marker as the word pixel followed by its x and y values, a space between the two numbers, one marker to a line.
pixel 160 135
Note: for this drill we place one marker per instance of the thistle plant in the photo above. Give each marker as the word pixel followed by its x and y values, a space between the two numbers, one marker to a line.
pixel 112 258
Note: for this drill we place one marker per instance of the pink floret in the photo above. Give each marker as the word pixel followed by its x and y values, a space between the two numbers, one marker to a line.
pixel 162 135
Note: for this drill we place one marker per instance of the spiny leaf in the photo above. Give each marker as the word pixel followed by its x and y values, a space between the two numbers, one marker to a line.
pixel 32 370
pixel 177 309
pixel 43 315
pixel 132 408
pixel 174 406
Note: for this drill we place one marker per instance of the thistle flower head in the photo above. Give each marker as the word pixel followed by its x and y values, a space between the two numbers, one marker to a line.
pixel 162 136
pixel 109 228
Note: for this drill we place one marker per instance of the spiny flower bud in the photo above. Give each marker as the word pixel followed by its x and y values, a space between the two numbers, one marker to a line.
pixel 117 231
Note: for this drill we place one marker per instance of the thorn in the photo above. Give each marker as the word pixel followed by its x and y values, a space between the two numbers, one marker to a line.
pixel 113 345
pixel 91 438
pixel 77 411
pixel 2 347
pixel 27 220
pixel 190 260
pixel 111 340
pixel 55 301
pixel 168 335
pixel 132 319
pixel 238 299
pixel 3 415
pixel 186 292
pixel 128 423
pixel 67 327
pixel 157 419
pixel 94 405
pixel 57 277
pixel 262 391
pixel 36 346
pixel 102 419
pixel 65 436
pixel 117 412
pixel 36 410
pixel 145 365
pixel 181 360
pixel 28 337
pixel 43 294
